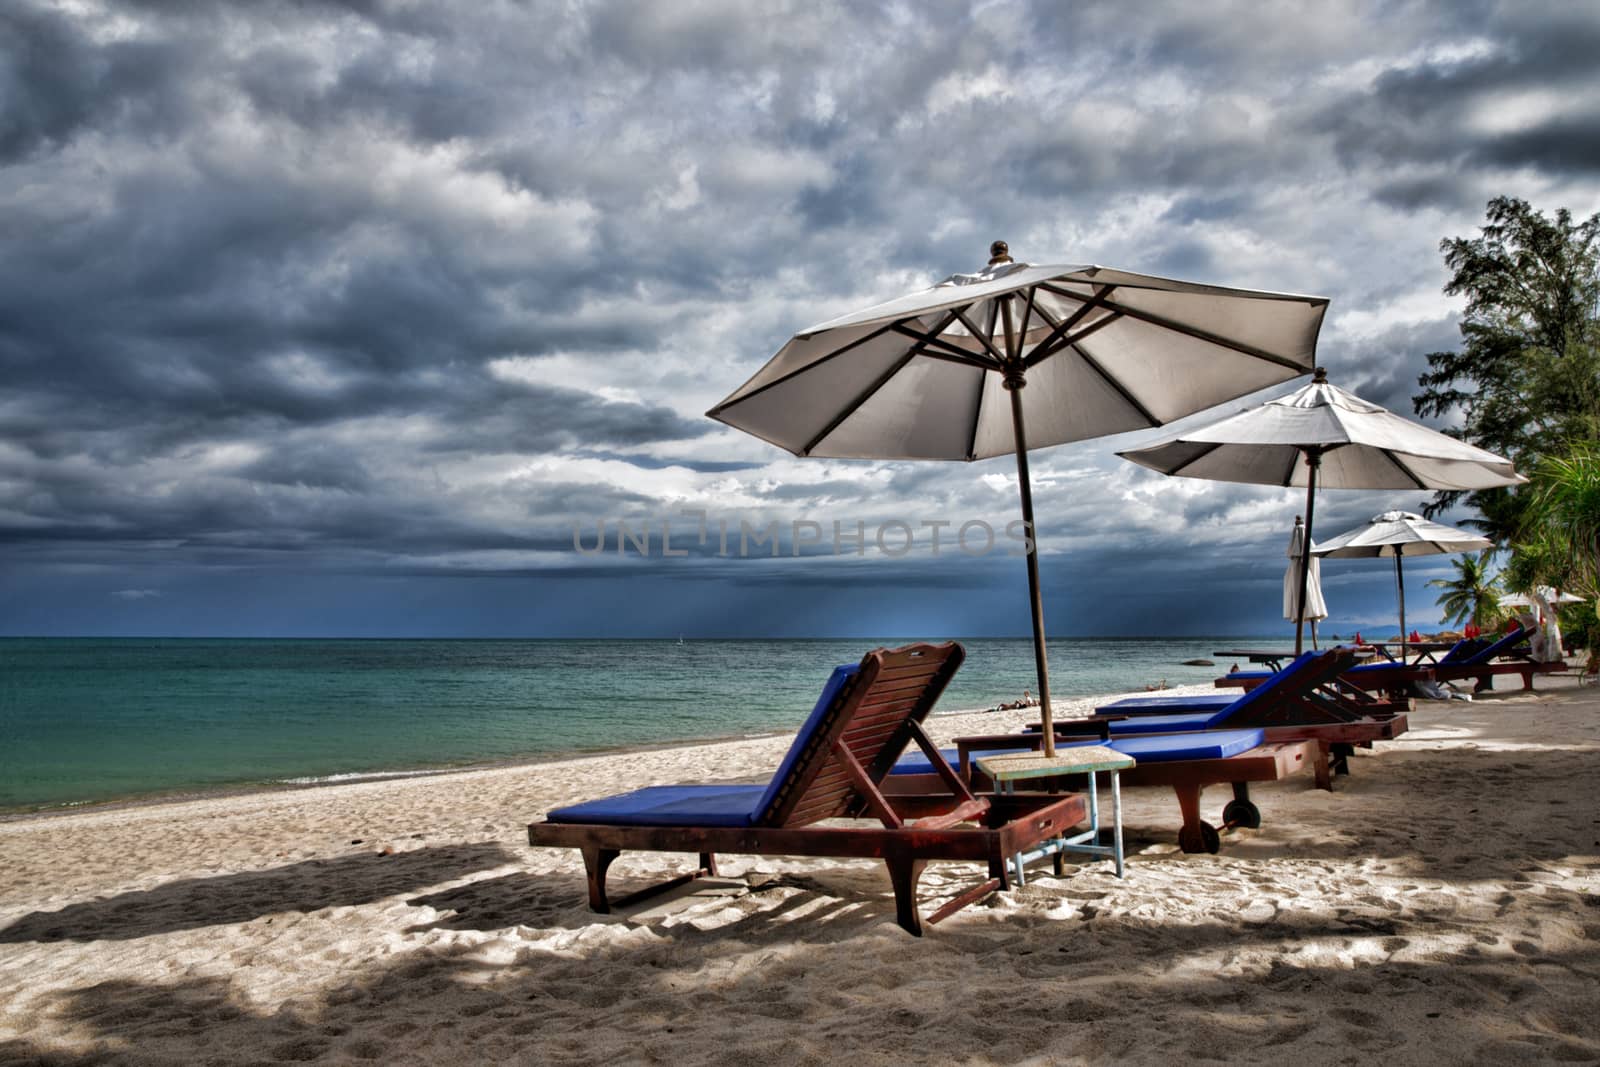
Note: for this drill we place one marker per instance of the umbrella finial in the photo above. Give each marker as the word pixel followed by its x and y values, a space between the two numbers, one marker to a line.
pixel 999 252
pixel 1319 376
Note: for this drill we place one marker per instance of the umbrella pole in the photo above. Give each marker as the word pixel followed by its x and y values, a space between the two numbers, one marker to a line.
pixel 1400 584
pixel 1313 461
pixel 1025 486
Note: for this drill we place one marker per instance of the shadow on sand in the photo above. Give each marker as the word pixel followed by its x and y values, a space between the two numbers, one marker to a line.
pixel 234 898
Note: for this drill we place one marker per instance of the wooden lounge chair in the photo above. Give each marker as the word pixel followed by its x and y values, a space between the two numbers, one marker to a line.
pixel 1293 705
pixel 1479 659
pixel 1186 762
pixel 1351 684
pixel 865 718
pixel 1508 655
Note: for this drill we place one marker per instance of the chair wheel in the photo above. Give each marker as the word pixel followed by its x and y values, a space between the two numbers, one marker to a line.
pixel 1242 813
pixel 1206 839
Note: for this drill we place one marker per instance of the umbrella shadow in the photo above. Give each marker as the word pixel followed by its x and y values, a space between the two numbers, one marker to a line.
pixel 235 898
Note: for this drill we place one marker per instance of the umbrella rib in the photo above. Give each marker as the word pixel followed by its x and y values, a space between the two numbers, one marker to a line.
pixel 1394 458
pixel 1044 350
pixel 981 337
pixel 1294 461
pixel 935 347
pixel 1192 460
pixel 977 416
pixel 911 353
pixel 874 335
pixel 1048 347
pixel 1191 331
pixel 1121 390
pixel 855 405
pixel 994 317
pixel 1027 314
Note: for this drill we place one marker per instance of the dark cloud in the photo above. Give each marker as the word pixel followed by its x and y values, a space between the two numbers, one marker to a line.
pixel 389 289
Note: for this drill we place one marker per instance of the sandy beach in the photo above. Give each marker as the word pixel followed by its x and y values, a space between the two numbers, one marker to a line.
pixel 1442 904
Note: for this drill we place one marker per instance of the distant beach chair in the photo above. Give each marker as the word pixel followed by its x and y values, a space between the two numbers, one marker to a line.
pixel 866 716
pixel 1294 704
pixel 1275 729
pixel 1187 762
pixel 1477 658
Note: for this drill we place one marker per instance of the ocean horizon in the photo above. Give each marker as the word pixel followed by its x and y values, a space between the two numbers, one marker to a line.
pixel 94 720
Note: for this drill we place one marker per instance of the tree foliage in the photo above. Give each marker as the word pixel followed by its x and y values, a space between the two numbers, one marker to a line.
pixel 1473 595
pixel 1526 379
pixel 1559 537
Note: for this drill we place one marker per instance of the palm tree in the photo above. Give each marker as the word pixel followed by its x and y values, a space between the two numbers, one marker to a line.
pixel 1474 594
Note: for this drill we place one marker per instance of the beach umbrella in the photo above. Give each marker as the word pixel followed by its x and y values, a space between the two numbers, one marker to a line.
pixel 1547 594
pixel 1316 607
pixel 1400 534
pixel 1322 435
pixel 940 373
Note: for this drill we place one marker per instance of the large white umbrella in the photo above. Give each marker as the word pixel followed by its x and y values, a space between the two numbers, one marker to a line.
pixel 940 373
pixel 1400 534
pixel 1546 593
pixel 1322 435
pixel 1293 594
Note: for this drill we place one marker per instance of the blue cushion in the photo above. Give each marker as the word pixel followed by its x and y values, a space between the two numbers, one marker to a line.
pixel 836 682
pixel 670 805
pixel 1176 723
pixel 705 805
pixel 1164 748
pixel 1253 675
pixel 1284 679
pixel 1195 702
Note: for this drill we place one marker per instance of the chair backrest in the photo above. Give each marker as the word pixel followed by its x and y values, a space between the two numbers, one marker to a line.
pixel 1303 674
pixel 1501 647
pixel 870 707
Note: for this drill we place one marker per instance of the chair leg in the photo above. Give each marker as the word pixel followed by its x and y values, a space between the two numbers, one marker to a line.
pixel 708 863
pixel 1323 771
pixel 596 862
pixel 904 875
pixel 1196 835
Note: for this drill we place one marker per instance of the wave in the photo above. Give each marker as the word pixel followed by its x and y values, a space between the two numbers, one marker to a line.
pixel 357 776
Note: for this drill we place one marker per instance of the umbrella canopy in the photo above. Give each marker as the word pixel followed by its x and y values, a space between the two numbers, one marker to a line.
pixel 1104 351
pixel 1316 607
pixel 1400 534
pixel 1320 434
pixel 1547 594
pixel 940 373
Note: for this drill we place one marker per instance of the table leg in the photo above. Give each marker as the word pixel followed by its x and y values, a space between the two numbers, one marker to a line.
pixel 1116 818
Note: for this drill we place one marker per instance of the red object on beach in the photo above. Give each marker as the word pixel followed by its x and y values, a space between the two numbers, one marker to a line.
pixel 1415 638
pixel 1358 638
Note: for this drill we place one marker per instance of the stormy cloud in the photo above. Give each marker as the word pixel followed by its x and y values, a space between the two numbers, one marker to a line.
pixel 312 310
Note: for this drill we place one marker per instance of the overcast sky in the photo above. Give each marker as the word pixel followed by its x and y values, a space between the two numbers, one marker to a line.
pixel 322 318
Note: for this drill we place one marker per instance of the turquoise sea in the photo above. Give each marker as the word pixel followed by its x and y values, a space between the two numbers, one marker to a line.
pixel 85 720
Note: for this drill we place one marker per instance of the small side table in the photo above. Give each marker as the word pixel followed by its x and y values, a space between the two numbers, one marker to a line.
pixel 1010 768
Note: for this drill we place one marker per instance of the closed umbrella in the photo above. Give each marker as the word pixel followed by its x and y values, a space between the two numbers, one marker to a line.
pixel 1316 607
pixel 940 373
pixel 1400 534
pixel 1322 435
